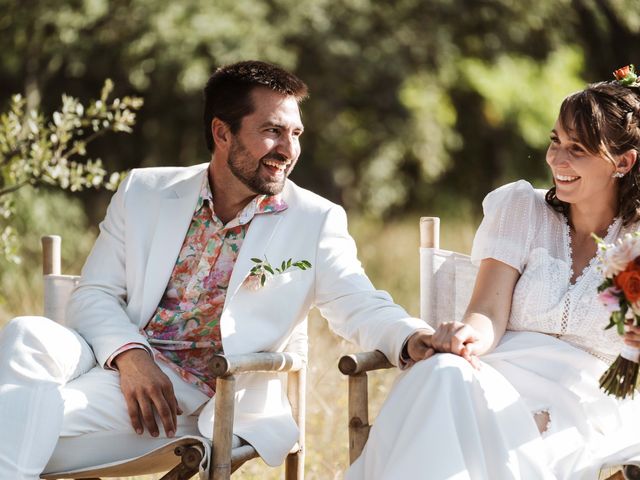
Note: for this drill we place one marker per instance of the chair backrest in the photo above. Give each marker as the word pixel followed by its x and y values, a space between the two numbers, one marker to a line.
pixel 57 287
pixel 446 278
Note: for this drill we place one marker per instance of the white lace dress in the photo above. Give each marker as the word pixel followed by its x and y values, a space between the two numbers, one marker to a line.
pixel 445 420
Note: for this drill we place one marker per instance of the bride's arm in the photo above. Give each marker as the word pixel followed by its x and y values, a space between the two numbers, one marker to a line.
pixel 486 317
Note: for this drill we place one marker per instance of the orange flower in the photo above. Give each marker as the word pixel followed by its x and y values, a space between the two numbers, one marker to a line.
pixel 629 281
pixel 626 76
pixel 622 73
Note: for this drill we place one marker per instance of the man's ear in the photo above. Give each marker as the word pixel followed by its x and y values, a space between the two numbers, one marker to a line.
pixel 221 134
pixel 627 161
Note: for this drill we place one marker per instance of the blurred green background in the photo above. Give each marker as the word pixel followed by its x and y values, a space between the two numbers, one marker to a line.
pixel 417 107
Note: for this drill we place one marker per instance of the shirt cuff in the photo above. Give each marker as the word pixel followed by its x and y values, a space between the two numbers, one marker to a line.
pixel 405 359
pixel 129 346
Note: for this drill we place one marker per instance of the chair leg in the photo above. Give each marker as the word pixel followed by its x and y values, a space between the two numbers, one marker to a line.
pixel 294 466
pixel 296 390
pixel 358 415
pixel 190 458
pixel 223 428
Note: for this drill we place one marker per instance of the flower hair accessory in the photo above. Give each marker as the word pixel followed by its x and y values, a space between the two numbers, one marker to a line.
pixel 626 76
pixel 620 294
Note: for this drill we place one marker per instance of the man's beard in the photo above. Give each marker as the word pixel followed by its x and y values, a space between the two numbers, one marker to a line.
pixel 241 165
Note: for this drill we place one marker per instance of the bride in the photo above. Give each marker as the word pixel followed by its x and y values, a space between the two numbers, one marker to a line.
pixel 515 394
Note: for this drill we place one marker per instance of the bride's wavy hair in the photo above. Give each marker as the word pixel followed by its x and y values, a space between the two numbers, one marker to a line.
pixel 605 119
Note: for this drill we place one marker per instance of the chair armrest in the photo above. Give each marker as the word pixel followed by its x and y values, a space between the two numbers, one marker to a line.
pixel 223 365
pixel 363 362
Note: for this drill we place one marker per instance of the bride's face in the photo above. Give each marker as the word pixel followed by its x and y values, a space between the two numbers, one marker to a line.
pixel 580 176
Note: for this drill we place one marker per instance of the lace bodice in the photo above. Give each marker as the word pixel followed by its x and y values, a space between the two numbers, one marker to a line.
pixel 523 231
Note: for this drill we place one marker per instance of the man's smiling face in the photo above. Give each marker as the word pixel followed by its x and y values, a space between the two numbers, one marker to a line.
pixel 267 146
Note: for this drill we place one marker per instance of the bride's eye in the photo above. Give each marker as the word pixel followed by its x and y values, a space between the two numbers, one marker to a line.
pixel 577 149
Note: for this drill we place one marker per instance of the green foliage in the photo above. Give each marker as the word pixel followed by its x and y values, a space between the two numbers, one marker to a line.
pixel 36 151
pixel 263 269
pixel 41 211
pixel 525 93
pixel 408 98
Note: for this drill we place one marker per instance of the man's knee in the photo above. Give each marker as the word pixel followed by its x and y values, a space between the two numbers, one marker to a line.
pixel 39 347
pixel 26 322
pixel 23 330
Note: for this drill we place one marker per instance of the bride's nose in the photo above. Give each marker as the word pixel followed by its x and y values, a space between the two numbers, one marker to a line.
pixel 557 157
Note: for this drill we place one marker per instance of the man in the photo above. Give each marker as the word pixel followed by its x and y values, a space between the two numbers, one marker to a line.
pixel 169 283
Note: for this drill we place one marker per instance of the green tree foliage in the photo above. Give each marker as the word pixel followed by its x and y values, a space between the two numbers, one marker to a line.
pixel 413 103
pixel 35 151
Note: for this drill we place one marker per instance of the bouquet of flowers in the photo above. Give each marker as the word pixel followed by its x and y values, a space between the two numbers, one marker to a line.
pixel 620 294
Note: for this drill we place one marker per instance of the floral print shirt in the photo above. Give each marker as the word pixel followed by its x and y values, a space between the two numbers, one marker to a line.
pixel 184 332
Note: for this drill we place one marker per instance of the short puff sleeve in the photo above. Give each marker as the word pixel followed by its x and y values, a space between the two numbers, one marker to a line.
pixel 506 232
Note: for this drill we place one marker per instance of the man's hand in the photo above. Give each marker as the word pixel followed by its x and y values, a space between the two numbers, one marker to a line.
pixel 419 346
pixel 146 390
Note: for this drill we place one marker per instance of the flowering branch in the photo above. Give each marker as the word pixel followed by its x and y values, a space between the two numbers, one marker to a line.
pixel 39 151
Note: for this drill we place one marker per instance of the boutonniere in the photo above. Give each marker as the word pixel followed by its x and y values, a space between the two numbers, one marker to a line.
pixel 262 270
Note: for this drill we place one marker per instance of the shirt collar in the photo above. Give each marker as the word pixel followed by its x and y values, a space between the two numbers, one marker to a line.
pixel 205 193
pixel 260 204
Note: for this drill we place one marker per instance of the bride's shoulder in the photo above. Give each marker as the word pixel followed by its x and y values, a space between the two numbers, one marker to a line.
pixel 513 195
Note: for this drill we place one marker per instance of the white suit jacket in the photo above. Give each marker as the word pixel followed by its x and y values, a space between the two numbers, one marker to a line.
pixel 129 267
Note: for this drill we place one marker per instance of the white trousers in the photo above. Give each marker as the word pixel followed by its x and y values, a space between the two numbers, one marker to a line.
pixel 58 407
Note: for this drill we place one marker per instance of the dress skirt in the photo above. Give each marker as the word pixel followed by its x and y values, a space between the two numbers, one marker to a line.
pixel 445 420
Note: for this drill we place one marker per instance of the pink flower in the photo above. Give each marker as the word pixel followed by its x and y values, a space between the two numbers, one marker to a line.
pixel 252 282
pixel 610 299
pixel 616 257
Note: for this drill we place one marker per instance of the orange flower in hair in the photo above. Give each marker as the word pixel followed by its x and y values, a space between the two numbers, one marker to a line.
pixel 626 75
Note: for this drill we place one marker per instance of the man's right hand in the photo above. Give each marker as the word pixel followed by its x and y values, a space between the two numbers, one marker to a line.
pixel 147 390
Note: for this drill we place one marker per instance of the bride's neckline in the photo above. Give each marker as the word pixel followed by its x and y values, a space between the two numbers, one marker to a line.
pixel 611 229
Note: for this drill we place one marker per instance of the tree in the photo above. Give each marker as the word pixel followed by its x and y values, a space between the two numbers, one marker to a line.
pixel 35 151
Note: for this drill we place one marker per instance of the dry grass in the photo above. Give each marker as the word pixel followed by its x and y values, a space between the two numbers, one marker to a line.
pixel 390 256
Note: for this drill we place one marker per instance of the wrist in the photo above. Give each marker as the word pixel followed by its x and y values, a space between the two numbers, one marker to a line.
pixel 134 355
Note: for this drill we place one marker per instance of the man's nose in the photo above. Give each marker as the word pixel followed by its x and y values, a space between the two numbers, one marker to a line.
pixel 288 147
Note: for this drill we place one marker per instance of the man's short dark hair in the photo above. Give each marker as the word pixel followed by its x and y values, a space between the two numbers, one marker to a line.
pixel 227 95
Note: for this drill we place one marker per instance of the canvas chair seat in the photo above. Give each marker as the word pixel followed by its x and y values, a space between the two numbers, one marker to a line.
pixel 185 456
pixel 447 279
pixel 160 459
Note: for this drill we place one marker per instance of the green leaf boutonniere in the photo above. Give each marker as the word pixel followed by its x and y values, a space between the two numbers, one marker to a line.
pixel 262 269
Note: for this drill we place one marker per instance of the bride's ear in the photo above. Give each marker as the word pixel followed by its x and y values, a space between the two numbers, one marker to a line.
pixel 626 161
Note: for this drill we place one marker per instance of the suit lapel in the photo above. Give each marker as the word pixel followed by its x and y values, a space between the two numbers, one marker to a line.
pixel 176 213
pixel 255 244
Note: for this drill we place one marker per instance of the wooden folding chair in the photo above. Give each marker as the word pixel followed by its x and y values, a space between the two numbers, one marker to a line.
pixel 446 284
pixel 184 457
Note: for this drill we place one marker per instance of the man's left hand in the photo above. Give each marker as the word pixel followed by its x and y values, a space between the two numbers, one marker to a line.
pixel 419 345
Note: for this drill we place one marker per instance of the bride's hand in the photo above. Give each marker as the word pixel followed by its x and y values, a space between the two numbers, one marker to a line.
pixel 458 338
